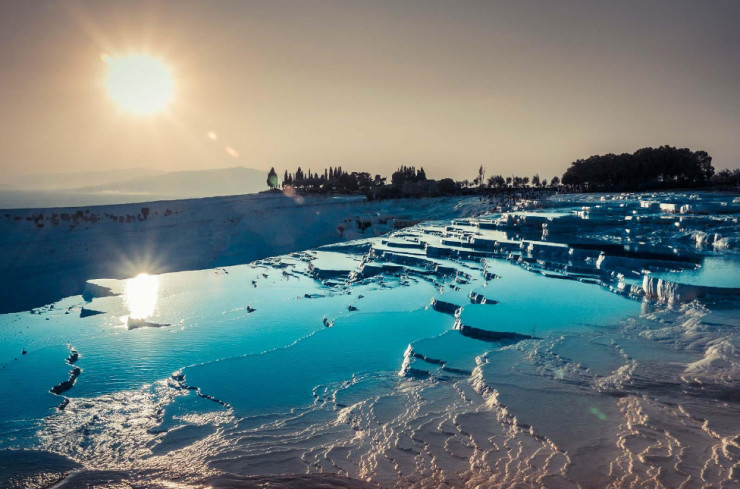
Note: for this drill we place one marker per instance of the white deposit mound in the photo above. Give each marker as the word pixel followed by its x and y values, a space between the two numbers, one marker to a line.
pixel 46 254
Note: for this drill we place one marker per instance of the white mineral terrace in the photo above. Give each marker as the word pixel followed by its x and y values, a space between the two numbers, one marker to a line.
pixel 584 341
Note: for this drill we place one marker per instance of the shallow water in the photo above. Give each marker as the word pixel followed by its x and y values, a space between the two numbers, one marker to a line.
pixel 715 271
pixel 448 354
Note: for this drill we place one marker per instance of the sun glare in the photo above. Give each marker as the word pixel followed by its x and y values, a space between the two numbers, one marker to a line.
pixel 141 295
pixel 139 84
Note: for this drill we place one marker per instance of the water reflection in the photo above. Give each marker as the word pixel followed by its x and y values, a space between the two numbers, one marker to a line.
pixel 141 295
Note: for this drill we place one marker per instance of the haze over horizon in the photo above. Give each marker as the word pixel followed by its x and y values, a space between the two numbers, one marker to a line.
pixel 519 87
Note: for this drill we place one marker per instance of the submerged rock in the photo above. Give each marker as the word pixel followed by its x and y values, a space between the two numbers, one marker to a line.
pixel 132 323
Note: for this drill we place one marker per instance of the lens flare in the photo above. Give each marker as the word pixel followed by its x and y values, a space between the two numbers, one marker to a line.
pixel 231 152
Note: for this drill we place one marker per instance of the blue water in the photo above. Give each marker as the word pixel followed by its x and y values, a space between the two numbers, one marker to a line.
pixel 714 271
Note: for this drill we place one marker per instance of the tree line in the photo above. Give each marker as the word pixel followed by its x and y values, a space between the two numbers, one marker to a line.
pixel 331 180
pixel 406 181
pixel 646 168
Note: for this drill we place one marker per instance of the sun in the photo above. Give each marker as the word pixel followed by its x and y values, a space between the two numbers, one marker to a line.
pixel 138 83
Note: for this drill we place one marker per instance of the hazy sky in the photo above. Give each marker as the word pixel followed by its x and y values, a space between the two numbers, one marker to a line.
pixel 518 86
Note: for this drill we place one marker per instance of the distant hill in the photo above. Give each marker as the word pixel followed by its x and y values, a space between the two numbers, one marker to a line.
pixel 72 180
pixel 187 184
pixel 126 186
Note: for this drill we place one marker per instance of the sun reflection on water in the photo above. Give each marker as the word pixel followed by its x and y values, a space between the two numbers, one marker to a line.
pixel 141 295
